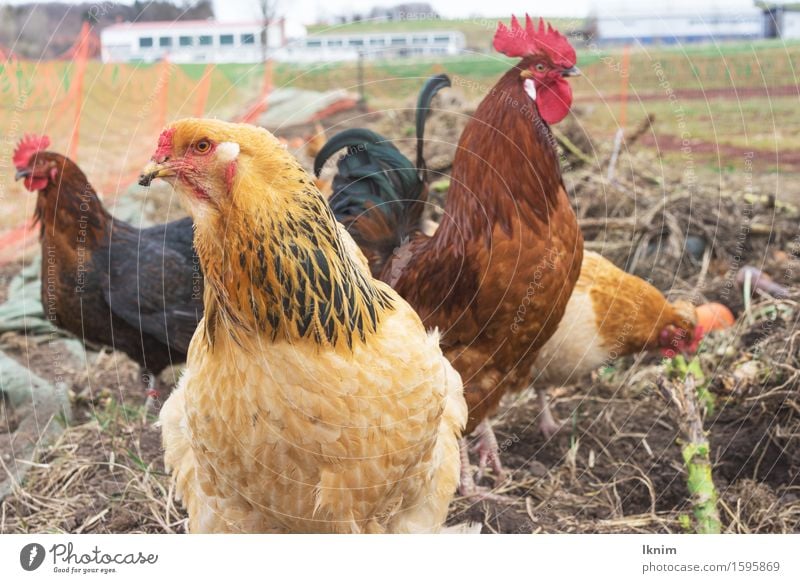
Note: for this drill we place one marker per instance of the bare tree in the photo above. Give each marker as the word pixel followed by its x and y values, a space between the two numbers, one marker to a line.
pixel 269 11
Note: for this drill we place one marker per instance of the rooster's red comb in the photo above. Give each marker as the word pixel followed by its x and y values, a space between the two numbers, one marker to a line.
pixel 521 42
pixel 28 146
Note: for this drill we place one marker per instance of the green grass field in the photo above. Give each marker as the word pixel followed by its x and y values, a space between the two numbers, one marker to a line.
pixel 478 31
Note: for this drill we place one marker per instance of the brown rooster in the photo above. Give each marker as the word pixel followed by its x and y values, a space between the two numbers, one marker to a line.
pixel 496 276
pixel 139 291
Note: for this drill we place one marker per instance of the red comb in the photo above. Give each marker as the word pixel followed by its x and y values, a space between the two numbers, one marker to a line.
pixel 521 42
pixel 28 146
pixel 164 147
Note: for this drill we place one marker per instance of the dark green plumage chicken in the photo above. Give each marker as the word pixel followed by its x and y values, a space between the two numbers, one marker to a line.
pixel 376 182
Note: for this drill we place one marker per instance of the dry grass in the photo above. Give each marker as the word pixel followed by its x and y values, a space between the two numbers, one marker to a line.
pixel 105 473
pixel 75 488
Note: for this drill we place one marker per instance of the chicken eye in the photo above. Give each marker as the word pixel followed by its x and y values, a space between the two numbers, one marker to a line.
pixel 202 146
pixel 540 67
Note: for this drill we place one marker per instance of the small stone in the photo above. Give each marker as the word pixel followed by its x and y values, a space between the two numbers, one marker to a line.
pixel 537 469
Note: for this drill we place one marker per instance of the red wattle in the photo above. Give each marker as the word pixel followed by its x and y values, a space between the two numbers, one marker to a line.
pixel 34 183
pixel 554 100
pixel 230 175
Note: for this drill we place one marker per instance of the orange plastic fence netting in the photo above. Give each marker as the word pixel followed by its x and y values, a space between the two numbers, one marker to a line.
pixel 106 117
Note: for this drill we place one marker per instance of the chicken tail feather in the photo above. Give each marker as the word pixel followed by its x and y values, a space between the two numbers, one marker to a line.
pixel 379 194
pixel 429 90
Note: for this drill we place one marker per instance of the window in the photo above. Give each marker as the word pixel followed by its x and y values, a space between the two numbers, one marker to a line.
pixel 377 41
pixel 313 43
pixel 248 39
pixel 441 39
pixel 398 40
pixel 420 40
pixel 145 42
pixel 165 41
pixel 185 41
pixel 334 43
pixel 226 39
pixel 355 42
pixel 206 40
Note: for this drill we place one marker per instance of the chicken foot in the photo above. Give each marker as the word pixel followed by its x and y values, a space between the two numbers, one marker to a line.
pixel 467 487
pixel 488 452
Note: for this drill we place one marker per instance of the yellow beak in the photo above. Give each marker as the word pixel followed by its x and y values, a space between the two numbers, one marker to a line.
pixel 153 171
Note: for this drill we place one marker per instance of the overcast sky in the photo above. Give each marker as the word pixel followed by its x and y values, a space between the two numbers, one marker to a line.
pixel 310 11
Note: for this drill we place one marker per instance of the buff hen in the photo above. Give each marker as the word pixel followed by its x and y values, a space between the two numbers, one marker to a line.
pixel 313 400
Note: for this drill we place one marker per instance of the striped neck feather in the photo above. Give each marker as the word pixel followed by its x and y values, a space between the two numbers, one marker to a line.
pixel 288 274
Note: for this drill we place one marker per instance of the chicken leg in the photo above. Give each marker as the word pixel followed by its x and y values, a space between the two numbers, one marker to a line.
pixel 151 403
pixel 548 424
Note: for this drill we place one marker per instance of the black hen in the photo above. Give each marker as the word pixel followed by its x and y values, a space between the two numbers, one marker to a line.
pixel 139 291
pixel 378 194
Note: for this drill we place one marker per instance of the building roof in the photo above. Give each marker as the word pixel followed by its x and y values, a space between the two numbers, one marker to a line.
pixel 422 32
pixel 184 24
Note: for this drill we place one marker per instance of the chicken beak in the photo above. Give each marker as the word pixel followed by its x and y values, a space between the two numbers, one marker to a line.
pixel 22 173
pixel 571 72
pixel 153 171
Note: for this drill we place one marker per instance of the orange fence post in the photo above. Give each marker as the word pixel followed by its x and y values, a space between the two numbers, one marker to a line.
pixel 163 93
pixel 202 91
pixel 261 104
pixel 623 113
pixel 624 83
pixel 266 89
pixel 81 59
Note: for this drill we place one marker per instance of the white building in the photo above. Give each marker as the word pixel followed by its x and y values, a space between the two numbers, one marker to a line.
pixel 195 41
pixel 348 46
pixel 675 21
pixel 790 24
pixel 783 21
pixel 679 29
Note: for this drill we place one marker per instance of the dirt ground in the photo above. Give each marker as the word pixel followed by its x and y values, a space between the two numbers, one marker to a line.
pixel 616 466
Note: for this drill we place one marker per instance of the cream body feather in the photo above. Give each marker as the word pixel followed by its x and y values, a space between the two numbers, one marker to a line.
pixel 290 440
